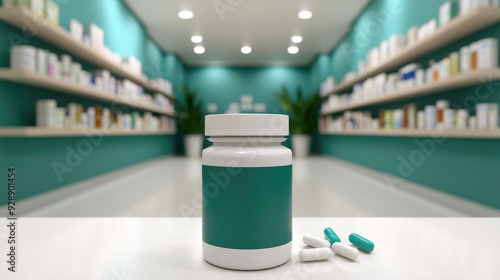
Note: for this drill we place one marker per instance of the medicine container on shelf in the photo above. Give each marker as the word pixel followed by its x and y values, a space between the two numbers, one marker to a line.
pixel 432 116
pixel 46 63
pixel 75 116
pixel 479 55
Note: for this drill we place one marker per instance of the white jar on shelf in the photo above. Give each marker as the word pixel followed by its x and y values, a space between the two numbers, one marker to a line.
pixel 23 57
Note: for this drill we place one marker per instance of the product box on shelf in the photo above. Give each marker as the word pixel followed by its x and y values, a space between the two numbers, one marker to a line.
pixel 52 12
pixel 433 116
pixel 105 78
pixel 133 64
pixel 76 29
pixel 412 35
pixel 447 11
pixel 35 6
pixel 41 61
pixel 96 36
pixel 45 113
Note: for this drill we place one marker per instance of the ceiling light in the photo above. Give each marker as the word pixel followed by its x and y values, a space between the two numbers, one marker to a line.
pixel 305 15
pixel 196 39
pixel 293 50
pixel 246 49
pixel 199 49
pixel 185 14
pixel 296 39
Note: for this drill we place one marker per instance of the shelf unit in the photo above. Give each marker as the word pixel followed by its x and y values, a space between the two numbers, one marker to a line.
pixel 458 28
pixel 471 134
pixel 31 78
pixel 33 131
pixel 21 17
pixel 454 82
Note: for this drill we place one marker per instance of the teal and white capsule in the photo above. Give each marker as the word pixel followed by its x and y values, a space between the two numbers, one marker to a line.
pixel 331 236
pixel 361 242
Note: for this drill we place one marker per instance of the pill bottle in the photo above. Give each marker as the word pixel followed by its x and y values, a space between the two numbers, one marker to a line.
pixel 462 117
pixel 381 118
pixel 493 116
pixel 441 106
pixel 472 122
pixel 41 61
pixel 45 112
pixel 23 57
pixel 412 116
pixel 430 117
pixel 421 120
pixel 247 191
pixel 454 63
pixel 435 71
pixel 474 48
pixel 465 59
pixel 398 119
pixel 487 53
pixel 52 64
pixel 388 116
pixel 449 119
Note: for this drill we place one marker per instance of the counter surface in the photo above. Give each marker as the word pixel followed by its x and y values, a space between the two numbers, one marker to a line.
pixel 170 248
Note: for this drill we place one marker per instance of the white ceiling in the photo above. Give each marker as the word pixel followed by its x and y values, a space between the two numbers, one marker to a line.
pixel 265 25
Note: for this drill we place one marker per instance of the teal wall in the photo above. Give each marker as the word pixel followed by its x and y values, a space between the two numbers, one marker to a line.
pixel 223 85
pixel 464 167
pixel 34 157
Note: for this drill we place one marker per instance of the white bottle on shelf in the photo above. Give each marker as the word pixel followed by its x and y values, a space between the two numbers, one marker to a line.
pixel 45 112
pixel 430 117
pixel 462 118
pixel 23 57
pixel 465 59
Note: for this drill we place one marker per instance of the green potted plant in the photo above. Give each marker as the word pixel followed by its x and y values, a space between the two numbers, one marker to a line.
pixel 303 118
pixel 192 121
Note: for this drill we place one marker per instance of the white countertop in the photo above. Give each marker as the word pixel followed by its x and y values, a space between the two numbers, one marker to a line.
pixel 170 248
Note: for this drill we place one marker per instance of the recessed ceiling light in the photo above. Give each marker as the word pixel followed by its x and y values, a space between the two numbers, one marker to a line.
pixel 199 49
pixel 246 49
pixel 186 14
pixel 305 14
pixel 296 39
pixel 196 39
pixel 293 50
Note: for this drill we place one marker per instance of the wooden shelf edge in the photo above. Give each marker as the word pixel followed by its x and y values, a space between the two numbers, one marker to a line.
pixel 454 82
pixel 483 16
pixel 61 38
pixel 27 77
pixel 33 131
pixel 468 134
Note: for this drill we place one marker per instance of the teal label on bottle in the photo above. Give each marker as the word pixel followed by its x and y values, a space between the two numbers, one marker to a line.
pixel 247 207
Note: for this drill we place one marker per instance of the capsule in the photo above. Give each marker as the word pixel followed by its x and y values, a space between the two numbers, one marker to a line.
pixel 361 242
pixel 315 242
pixel 331 236
pixel 345 251
pixel 318 254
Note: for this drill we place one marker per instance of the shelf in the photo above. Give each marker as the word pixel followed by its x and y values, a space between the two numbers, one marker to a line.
pixel 458 28
pixel 21 17
pixel 454 82
pixel 473 134
pixel 33 131
pixel 38 80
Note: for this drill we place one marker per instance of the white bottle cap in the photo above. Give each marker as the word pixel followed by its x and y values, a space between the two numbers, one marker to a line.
pixel 246 125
